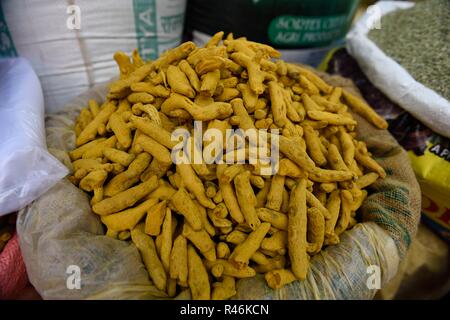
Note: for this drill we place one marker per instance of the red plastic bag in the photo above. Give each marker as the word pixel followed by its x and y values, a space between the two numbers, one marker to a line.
pixel 13 275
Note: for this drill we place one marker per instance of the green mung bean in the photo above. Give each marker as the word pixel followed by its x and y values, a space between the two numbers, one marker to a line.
pixel 419 39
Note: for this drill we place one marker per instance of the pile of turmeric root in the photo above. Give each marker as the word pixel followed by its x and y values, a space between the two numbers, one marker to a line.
pixel 202 226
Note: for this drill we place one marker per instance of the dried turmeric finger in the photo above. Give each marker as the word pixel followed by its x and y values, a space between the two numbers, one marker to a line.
pixel 94 108
pixel 124 235
pixel 177 105
pixel 314 202
pixel 186 207
pixel 229 196
pixel 276 279
pixel 364 110
pixel 201 240
pixel 179 261
pixel 348 148
pixel 125 198
pixel 190 74
pixel 166 240
pixel 231 172
pixel 366 180
pixel 209 228
pixel 202 53
pixel 245 121
pixel 222 250
pixel 312 143
pixel 118 156
pixel 236 237
pixel 90 165
pixel 140 97
pixel 325 175
pixel 218 215
pixel 229 269
pixel 346 208
pixel 366 161
pixel 316 230
pixel 230 82
pixel 276 242
pixel 261 196
pixel 155 168
pixel 327 105
pixel 278 105
pixel 331 118
pixel 175 54
pixel 135 76
pixel 171 287
pixel 147 249
pixel 242 253
pixel 94 182
pixel 224 290
pixel 298 155
pixel 124 64
pixel 209 83
pixel 129 218
pixel 155 218
pixel 275 195
pixel 156 91
pixel 290 169
pixel 277 262
pixel 308 86
pixel 250 98
pixel 96 151
pixel 275 218
pixel 121 130
pixel 257 181
pixel 310 105
pixel 78 152
pixel 314 78
pixel 281 67
pixel 328 186
pixel 215 39
pixel 255 74
pixel 157 150
pixel 128 178
pixel 164 191
pixel 357 201
pixel 194 184
pixel 246 199
pixel 83 120
pixel 217 270
pixel 178 82
pixel 210 189
pixel 297 230
pixel 209 64
pixel 259 258
pixel 335 159
pixel 198 277
pixel 90 132
pixel 153 130
pixel 228 94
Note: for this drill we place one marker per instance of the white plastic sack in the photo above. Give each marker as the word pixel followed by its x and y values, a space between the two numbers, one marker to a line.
pixel 27 170
pixel 392 79
pixel 70 61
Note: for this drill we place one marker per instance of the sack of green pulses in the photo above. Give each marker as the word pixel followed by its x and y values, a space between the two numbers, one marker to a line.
pixel 428 151
pixel 406 56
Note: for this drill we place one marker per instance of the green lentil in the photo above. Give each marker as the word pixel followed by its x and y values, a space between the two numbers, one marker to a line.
pixel 419 39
